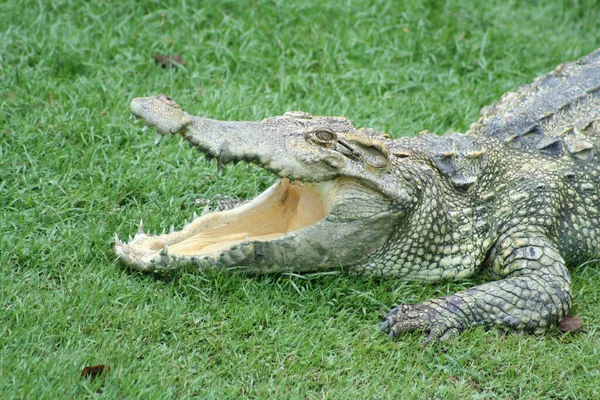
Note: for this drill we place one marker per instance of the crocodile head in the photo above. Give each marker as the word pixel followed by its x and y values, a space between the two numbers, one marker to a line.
pixel 337 201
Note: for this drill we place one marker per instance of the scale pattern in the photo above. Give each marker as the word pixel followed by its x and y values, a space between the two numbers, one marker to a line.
pixel 557 114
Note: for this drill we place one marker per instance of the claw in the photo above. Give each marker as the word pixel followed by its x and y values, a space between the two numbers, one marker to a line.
pixel 385 325
pixel 392 334
pixel 392 312
pixel 157 138
pixel 450 333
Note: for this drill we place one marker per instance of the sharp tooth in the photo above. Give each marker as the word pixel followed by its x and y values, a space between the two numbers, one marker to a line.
pixel 226 258
pixel 195 215
pixel 164 231
pixel 157 138
pixel 130 116
pixel 172 228
pixel 145 128
pixel 117 241
pixel 141 227
pixel 185 222
pixel 130 238
pixel 237 254
pixel 165 250
pixel 206 210
pixel 125 249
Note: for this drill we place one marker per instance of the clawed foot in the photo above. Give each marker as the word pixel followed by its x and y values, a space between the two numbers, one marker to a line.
pixel 428 317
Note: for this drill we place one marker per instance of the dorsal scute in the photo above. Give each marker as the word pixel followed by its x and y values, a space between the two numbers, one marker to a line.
pixel 461 158
pixel 557 115
pixel 579 145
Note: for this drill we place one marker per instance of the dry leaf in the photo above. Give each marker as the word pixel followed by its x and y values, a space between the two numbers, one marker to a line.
pixel 94 371
pixel 569 324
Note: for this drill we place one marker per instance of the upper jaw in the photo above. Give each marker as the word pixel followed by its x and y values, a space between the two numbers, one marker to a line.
pixel 156 112
pixel 277 144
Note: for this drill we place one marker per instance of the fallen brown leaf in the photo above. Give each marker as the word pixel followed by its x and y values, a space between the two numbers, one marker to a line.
pixel 569 324
pixel 94 371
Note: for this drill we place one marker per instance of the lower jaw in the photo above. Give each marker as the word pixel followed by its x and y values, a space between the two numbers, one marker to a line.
pixel 231 237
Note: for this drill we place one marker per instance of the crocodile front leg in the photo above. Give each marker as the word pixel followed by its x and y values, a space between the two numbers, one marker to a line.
pixel 534 295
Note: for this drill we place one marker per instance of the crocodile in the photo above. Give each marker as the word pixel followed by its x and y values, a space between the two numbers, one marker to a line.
pixel 515 199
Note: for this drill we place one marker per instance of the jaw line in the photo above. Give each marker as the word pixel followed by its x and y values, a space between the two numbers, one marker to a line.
pixel 228 238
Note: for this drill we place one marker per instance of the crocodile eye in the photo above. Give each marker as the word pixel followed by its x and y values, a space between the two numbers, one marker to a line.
pixel 325 136
pixel 168 100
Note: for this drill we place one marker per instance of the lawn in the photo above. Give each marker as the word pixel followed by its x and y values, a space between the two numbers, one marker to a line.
pixel 75 170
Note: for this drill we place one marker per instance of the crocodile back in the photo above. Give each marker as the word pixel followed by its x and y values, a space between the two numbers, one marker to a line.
pixel 558 114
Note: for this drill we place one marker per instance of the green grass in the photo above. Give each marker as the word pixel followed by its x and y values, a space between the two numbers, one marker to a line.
pixel 74 170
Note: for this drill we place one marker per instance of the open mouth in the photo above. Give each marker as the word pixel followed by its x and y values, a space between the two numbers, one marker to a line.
pixel 228 237
pixel 280 211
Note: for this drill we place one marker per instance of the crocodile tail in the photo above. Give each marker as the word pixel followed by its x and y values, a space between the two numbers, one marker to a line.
pixel 558 114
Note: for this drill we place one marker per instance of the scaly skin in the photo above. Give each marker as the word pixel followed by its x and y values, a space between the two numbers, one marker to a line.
pixel 517 197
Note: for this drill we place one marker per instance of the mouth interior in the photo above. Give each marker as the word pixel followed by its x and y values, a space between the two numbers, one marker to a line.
pixel 283 208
